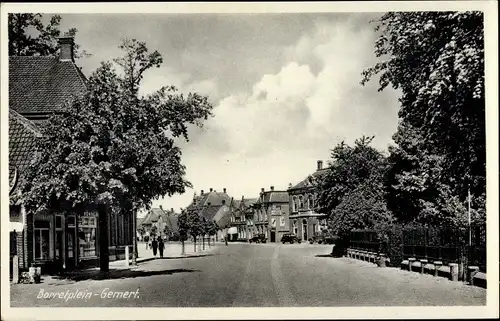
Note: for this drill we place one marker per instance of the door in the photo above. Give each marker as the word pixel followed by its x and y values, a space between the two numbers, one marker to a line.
pixel 273 236
pixel 304 230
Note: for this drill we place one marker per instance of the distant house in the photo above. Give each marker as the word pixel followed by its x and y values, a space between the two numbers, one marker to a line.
pixel 38 87
pixel 150 222
pixel 213 206
pixel 167 225
pixel 305 221
pixel 271 213
pixel 242 219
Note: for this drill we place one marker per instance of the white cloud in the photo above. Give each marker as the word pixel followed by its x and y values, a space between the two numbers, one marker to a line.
pixel 274 134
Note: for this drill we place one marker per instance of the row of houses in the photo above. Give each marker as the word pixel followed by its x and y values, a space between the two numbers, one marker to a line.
pixel 38 87
pixel 273 213
pixel 158 222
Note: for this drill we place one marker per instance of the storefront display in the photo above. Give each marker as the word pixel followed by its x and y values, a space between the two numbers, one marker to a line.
pixel 87 228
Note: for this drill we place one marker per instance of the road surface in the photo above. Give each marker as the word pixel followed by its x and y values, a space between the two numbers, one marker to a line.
pixel 251 275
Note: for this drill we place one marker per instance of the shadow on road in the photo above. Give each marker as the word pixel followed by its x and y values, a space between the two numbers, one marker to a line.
pixel 183 257
pixel 117 274
pixel 330 255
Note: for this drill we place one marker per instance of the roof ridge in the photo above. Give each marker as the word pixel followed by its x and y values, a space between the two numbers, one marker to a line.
pixel 28 124
pixel 80 74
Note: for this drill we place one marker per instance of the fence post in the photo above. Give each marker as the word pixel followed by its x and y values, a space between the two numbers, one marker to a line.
pixel 15 269
pixel 127 262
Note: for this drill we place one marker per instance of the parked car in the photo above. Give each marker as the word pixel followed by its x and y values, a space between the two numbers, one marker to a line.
pixel 322 238
pixel 290 238
pixel 259 238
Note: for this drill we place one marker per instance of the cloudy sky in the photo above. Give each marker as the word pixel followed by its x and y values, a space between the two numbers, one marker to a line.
pixel 285 89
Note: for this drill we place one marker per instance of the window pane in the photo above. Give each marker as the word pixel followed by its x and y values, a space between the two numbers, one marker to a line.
pixel 45 244
pixel 87 241
pixel 37 244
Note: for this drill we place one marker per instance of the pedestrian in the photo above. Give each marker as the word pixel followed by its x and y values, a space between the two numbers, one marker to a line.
pixel 154 245
pixel 225 240
pixel 161 246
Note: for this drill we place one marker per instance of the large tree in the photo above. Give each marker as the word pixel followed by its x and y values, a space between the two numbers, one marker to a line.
pixel 29 36
pixel 351 191
pixel 436 60
pixel 113 148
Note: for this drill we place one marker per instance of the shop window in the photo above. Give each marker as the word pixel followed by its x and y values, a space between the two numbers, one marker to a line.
pixel 42 240
pixel 87 226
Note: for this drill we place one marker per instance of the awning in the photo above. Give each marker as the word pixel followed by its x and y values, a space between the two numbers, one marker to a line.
pixel 232 230
pixel 16 226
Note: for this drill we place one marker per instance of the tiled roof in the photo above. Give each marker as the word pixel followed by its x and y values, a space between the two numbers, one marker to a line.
pixel 173 222
pixel 209 212
pixel 42 84
pixel 225 220
pixel 276 197
pixel 209 199
pixel 23 136
pixel 307 181
pixel 152 216
pixel 13 178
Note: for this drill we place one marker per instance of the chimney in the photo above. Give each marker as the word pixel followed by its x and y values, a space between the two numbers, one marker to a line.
pixel 211 190
pixel 224 189
pixel 262 190
pixel 201 192
pixel 272 188
pixel 242 197
pixel 66 45
pixel 172 209
pixel 320 165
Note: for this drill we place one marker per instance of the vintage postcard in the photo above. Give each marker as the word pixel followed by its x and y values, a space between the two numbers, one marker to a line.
pixel 270 160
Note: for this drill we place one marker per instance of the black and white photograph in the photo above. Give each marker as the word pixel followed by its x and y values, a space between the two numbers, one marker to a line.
pixel 250 155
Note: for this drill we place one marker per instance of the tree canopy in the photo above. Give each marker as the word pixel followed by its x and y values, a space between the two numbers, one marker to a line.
pixel 28 36
pixel 113 146
pixel 436 59
pixel 351 191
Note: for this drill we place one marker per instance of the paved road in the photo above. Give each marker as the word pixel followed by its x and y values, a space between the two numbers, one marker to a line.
pixel 257 275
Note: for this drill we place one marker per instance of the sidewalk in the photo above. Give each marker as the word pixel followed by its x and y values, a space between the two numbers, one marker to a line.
pixel 172 250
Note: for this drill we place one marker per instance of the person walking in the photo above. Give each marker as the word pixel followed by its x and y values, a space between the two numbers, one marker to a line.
pixel 154 245
pixel 161 246
pixel 225 240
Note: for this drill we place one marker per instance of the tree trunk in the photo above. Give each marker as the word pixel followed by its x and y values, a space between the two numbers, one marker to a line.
pixel 203 241
pixel 134 235
pixel 183 250
pixel 103 237
pixel 194 239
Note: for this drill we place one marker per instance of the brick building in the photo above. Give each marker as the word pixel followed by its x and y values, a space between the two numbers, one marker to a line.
pixel 271 212
pixel 304 220
pixel 38 87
